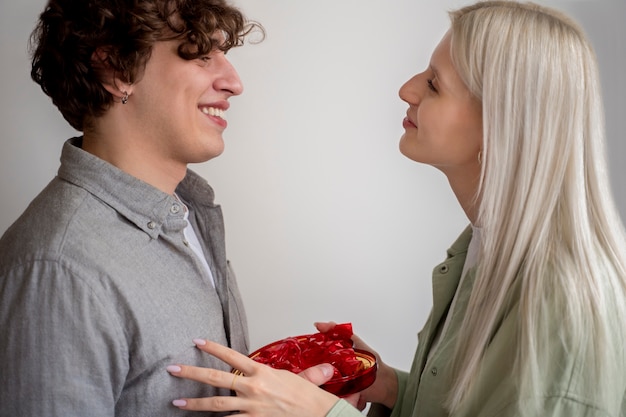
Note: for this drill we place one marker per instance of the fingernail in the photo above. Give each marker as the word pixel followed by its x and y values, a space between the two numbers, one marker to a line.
pixel 173 368
pixel 179 403
pixel 327 370
pixel 199 342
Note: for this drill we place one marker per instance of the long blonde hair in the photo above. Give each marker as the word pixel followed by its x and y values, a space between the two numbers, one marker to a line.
pixel 550 227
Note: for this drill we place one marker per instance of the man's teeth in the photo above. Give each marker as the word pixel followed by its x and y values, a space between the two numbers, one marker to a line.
pixel 212 111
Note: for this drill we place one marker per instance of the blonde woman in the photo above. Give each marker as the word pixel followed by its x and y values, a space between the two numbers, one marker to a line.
pixel 529 317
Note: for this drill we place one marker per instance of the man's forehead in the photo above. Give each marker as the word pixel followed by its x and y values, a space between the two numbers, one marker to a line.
pixel 218 36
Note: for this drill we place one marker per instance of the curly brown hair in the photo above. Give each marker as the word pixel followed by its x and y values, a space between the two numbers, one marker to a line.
pixel 69 32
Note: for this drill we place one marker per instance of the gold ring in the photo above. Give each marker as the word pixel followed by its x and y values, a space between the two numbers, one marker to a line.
pixel 232 384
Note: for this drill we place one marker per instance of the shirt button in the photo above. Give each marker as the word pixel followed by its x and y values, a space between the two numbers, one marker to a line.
pixel 185 242
pixel 151 225
pixel 175 209
pixel 444 269
pixel 434 371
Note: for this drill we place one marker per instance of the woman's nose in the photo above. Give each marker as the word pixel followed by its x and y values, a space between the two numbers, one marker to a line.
pixel 410 91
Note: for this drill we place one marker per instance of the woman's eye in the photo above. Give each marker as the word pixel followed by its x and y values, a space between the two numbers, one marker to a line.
pixel 431 85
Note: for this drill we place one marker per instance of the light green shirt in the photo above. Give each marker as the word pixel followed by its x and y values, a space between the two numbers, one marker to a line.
pixel 421 393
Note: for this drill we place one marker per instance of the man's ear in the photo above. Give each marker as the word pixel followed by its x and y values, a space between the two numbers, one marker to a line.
pixel 117 87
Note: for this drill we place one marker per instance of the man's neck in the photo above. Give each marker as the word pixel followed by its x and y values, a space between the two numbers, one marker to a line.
pixel 133 157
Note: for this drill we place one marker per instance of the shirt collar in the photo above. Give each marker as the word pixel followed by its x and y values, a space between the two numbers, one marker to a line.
pixel 149 208
pixel 461 244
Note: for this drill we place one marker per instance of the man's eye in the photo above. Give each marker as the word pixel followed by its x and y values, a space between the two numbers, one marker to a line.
pixel 431 85
pixel 203 60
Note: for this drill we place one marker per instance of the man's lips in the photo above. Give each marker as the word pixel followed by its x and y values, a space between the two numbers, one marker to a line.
pixel 213 111
pixel 215 114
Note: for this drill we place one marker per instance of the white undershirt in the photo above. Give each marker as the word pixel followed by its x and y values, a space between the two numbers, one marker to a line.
pixel 194 243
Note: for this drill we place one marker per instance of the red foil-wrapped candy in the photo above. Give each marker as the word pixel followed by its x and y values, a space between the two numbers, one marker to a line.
pixel 355 369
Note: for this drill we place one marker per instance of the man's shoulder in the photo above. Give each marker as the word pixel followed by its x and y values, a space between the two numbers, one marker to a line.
pixel 61 213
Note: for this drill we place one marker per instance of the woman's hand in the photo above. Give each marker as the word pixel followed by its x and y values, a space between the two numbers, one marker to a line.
pixel 384 390
pixel 261 390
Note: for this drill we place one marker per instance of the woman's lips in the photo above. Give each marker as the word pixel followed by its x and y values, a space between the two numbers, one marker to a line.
pixel 408 124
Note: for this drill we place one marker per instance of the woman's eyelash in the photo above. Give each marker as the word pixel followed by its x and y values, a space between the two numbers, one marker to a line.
pixel 431 85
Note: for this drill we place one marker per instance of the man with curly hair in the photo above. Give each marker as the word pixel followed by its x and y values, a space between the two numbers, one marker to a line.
pixel 120 261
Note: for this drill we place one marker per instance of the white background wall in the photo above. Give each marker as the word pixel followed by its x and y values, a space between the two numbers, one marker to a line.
pixel 325 219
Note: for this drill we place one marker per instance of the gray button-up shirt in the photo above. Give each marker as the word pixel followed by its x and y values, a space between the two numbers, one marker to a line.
pixel 99 293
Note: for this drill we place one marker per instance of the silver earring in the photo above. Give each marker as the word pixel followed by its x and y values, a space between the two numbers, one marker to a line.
pixel 125 98
pixel 480 157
